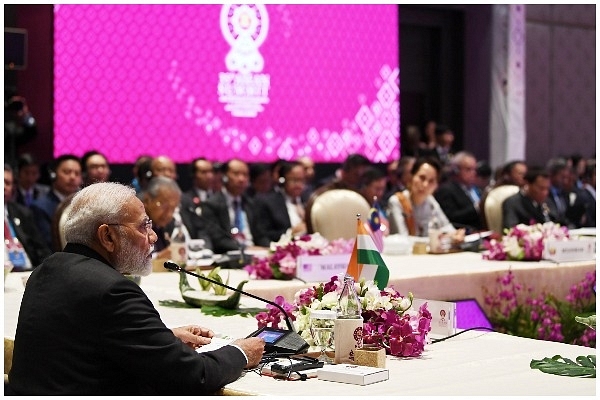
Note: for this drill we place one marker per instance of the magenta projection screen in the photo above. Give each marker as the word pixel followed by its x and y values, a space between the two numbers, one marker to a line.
pixel 259 82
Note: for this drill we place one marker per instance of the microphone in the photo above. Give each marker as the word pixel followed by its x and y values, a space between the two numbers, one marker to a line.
pixel 170 265
pixel 472 241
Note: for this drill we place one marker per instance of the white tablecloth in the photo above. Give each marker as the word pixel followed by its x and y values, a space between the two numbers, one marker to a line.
pixel 473 363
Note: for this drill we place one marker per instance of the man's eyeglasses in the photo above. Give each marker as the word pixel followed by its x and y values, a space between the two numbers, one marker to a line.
pixel 147 224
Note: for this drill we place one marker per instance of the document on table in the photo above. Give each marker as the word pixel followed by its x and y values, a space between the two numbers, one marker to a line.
pixel 215 343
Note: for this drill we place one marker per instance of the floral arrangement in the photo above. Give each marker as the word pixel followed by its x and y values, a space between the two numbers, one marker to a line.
pixel 515 312
pixel 524 242
pixel 281 261
pixel 389 320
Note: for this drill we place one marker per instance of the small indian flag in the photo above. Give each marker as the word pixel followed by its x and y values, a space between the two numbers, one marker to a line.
pixel 366 261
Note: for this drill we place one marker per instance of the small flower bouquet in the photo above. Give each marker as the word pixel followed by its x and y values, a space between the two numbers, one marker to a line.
pixel 524 242
pixel 389 320
pixel 282 259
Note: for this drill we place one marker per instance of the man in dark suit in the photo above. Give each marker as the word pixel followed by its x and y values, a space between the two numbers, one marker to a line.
pixel 282 209
pixel 558 196
pixel 583 211
pixel 65 174
pixel 28 174
pixel 458 196
pixel 230 214
pixel 202 179
pixel 86 329
pixel 529 204
pixel 20 225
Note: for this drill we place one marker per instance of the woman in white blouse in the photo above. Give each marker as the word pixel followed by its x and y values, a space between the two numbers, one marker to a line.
pixel 411 210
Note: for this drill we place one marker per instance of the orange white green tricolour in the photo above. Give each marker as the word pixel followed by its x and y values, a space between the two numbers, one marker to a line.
pixel 366 261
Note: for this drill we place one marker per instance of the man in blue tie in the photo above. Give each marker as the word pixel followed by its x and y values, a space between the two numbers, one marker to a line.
pixel 226 231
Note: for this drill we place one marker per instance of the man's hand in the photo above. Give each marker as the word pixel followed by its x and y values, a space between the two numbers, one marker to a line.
pixel 253 347
pixel 193 335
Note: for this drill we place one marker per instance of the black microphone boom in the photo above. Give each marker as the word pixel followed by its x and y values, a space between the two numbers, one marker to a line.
pixel 170 265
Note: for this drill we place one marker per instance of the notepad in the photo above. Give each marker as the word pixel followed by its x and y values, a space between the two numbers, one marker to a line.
pixel 215 343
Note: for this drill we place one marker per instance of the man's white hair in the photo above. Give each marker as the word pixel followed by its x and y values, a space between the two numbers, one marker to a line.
pixel 96 204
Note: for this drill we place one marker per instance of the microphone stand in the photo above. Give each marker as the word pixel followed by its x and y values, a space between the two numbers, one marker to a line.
pixel 240 239
pixel 174 267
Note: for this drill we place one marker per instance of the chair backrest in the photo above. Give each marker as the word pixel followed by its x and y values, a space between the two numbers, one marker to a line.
pixel 9 344
pixel 333 213
pixel 493 206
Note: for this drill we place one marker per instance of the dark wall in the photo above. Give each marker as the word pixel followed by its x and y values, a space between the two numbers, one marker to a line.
pixel 35 83
pixel 431 67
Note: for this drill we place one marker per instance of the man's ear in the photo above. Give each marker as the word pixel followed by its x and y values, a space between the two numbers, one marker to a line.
pixel 106 238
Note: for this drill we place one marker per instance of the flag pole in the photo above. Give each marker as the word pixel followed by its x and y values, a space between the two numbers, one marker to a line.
pixel 353 268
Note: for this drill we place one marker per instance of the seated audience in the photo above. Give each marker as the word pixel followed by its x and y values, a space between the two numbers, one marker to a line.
pixel 65 175
pixel 190 208
pixel 483 177
pixel 372 189
pixel 529 204
pixel 391 178
pixel 163 166
pixel 202 179
pixel 560 185
pixel 405 164
pixel 282 209
pixel 411 210
pixel 28 175
pixel 161 199
pixel 230 214
pixel 411 144
pixel 261 180
pixel 583 211
pixel 309 173
pixel 458 196
pixel 141 172
pixel 23 244
pixel 94 168
pixel 511 173
pixel 86 329
pixel 372 186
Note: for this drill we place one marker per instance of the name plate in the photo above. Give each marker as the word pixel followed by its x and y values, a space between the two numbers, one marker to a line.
pixel 570 250
pixel 443 316
pixel 321 268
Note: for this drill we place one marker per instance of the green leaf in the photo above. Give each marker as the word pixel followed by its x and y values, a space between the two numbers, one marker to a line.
pixel 585 367
pixel 589 321
pixel 174 304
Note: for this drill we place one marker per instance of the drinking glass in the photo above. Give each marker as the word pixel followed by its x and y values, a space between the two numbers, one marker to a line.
pixel 321 330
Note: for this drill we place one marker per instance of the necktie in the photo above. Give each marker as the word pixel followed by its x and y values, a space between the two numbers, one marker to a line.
pixel 238 221
pixel 560 205
pixel 28 198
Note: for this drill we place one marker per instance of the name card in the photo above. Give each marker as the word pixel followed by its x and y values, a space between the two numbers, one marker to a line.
pixel 443 316
pixel 570 250
pixel 321 268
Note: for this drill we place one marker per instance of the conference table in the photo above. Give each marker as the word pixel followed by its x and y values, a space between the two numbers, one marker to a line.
pixel 472 363
pixel 446 277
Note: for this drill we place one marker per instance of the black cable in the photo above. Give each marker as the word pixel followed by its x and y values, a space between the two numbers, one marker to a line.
pixel 477 328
